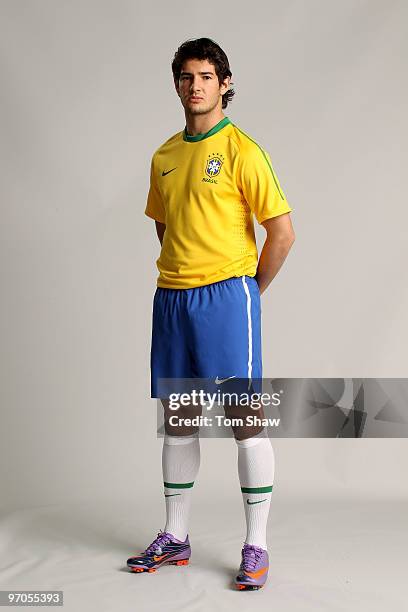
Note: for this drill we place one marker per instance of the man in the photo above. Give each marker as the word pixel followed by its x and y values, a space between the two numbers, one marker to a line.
pixel 206 183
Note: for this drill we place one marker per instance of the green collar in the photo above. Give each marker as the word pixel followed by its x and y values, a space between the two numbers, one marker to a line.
pixel 201 136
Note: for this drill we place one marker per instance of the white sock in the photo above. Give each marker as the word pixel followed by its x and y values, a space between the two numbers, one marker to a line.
pixel 180 463
pixel 256 468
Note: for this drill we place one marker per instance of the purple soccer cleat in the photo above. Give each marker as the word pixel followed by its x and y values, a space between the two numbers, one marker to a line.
pixel 253 570
pixel 165 549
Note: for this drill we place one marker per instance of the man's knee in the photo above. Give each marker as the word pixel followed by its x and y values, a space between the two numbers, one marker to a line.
pixel 243 428
pixel 179 422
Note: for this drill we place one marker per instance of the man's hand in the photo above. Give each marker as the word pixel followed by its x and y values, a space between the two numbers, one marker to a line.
pixel 279 240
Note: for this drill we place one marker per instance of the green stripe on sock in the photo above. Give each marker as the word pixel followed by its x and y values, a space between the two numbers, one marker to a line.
pixel 256 489
pixel 179 485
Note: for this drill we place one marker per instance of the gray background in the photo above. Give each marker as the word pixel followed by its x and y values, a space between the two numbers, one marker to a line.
pixel 87 96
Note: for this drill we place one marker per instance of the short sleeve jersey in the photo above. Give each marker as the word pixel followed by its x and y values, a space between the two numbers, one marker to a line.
pixel 206 190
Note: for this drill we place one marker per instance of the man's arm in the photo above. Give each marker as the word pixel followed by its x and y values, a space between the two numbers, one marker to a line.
pixel 279 239
pixel 160 229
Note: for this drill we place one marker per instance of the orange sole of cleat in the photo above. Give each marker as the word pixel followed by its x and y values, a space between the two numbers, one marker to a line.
pixel 181 562
pixel 151 570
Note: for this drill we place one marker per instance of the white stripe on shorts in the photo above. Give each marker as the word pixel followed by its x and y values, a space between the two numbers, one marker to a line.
pixel 248 295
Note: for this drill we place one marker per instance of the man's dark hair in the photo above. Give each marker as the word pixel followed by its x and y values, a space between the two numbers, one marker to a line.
pixel 204 49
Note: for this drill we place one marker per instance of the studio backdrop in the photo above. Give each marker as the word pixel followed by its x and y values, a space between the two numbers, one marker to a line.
pixel 87 97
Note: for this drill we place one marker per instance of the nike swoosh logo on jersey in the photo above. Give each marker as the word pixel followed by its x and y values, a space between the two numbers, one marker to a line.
pixel 168 171
pixel 172 494
pixel 219 381
pixel 255 502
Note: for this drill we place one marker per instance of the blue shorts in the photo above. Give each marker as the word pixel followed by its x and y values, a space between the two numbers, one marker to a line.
pixel 213 331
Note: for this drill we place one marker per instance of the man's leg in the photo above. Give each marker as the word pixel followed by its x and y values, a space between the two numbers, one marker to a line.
pixel 180 464
pixel 181 451
pixel 230 332
pixel 256 469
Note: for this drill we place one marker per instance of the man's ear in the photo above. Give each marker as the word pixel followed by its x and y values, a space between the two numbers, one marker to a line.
pixel 176 87
pixel 226 82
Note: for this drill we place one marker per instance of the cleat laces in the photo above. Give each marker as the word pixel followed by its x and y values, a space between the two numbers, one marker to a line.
pixel 156 546
pixel 250 557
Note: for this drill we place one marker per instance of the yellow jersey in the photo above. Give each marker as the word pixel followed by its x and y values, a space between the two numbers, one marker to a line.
pixel 206 189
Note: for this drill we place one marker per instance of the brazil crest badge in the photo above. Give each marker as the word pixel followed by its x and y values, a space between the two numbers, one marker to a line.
pixel 213 165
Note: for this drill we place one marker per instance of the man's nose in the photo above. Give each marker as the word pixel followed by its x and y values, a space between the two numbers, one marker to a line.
pixel 195 84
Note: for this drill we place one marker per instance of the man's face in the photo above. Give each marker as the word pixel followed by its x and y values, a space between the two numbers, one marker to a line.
pixel 198 87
